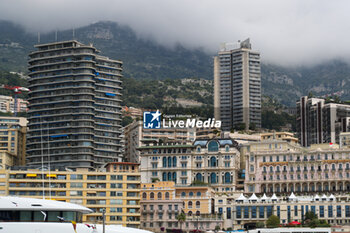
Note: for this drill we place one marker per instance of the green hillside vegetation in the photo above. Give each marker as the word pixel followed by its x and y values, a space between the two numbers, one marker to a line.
pixel 145 59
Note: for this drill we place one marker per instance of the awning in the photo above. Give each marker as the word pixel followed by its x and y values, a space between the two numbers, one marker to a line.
pixel 51 175
pixel 31 175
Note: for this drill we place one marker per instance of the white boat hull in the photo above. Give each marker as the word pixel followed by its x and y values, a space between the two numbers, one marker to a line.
pixel 42 227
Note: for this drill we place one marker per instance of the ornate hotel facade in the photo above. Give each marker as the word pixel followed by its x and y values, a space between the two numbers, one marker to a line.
pixel 280 167
pixel 215 162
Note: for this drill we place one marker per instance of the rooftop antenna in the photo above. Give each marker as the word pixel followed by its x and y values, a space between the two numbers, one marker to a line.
pixel 38 37
pixel 73 33
pixel 56 36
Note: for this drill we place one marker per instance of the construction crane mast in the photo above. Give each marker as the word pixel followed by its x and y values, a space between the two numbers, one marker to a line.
pixel 17 90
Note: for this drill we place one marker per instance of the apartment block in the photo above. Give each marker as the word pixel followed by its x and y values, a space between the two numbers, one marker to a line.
pixel 74 111
pixel 13 132
pixel 163 201
pixel 344 140
pixel 285 136
pixel 321 122
pixel 136 136
pixel 237 87
pixel 7 104
pixel 215 162
pixel 115 189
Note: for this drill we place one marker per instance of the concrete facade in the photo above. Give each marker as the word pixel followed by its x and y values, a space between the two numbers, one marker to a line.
pixel 237 87
pixel 162 202
pixel 13 132
pixel 74 112
pixel 117 189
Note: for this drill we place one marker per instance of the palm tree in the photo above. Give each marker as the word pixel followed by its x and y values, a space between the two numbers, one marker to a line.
pixel 181 218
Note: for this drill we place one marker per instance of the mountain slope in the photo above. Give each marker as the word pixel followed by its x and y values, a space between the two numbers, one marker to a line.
pixel 144 59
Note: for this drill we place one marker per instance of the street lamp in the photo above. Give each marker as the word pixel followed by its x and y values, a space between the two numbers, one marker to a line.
pixel 103 220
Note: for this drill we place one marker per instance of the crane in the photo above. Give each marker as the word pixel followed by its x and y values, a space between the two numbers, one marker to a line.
pixel 17 90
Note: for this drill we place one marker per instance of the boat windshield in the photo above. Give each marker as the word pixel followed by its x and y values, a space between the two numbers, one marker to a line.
pixel 40 216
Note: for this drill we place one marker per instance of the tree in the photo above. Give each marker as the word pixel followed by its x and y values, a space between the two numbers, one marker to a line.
pixel 273 221
pixel 252 126
pixel 181 218
pixel 310 216
pixel 126 120
pixel 260 225
pixel 155 180
pixel 240 126
pixel 311 220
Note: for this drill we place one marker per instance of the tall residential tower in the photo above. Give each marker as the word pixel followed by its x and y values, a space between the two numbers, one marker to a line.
pixel 237 87
pixel 74 110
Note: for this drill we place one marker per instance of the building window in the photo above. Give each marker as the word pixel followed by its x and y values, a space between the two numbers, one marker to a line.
pixel 190 204
pixel 227 178
pixel 151 196
pixel 213 162
pixel 174 161
pixel 321 211
pixel 330 211
pixel 213 178
pixel 167 196
pixel 159 196
pixel 199 177
pixel 213 146
pixel 144 196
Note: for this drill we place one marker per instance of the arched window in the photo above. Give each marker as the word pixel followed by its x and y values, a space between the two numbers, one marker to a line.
pixel 189 213
pixel 151 196
pixel 213 162
pixel 199 194
pixel 174 161
pixel 169 176
pixel 164 161
pixel 159 196
pixel 213 146
pixel 199 177
pixel 169 161
pixel 167 196
pixel 164 176
pixel 183 194
pixel 198 149
pixel 227 148
pixel 213 178
pixel 174 177
pixel 227 178
pixel 190 194
pixel 190 204
pixel 144 196
pixel 198 204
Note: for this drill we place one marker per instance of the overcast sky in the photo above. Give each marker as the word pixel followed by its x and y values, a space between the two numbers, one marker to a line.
pixel 287 32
